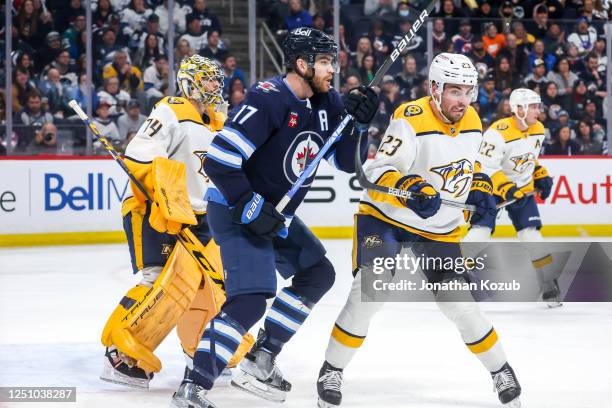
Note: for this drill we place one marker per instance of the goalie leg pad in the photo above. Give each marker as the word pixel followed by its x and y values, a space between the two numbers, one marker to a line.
pixel 146 315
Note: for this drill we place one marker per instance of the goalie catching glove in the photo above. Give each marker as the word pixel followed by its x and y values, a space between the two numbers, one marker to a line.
pixel 542 181
pixel 165 181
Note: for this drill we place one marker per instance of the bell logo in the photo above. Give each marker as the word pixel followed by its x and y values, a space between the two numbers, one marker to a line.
pixel 96 194
pixel 302 31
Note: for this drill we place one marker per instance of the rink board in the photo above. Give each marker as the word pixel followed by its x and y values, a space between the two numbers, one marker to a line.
pixel 64 200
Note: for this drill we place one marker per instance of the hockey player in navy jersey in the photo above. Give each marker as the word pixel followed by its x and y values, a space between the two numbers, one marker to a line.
pixel 266 143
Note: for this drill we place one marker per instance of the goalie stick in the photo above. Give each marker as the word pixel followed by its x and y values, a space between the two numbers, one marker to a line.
pixel 191 243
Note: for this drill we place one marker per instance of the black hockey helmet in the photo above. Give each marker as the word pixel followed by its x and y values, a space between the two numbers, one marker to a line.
pixel 307 43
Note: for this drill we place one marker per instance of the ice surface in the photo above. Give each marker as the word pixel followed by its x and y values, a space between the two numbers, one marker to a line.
pixel 54 302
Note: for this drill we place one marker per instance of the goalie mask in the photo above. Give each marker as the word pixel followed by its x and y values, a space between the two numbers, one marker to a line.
pixel 201 79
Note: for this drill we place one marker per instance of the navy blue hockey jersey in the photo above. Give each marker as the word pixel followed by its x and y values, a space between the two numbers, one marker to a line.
pixel 268 140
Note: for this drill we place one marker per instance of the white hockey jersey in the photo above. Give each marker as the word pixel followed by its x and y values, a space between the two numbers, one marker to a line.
pixel 509 154
pixel 444 155
pixel 175 130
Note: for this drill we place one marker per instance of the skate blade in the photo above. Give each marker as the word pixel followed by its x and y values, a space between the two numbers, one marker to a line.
pixel 252 385
pixel 178 403
pixel 552 303
pixel 515 403
pixel 109 374
pixel 225 378
pixel 323 404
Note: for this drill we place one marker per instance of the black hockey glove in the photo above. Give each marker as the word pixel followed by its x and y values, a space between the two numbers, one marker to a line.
pixel 258 216
pixel 509 191
pixel 362 103
pixel 542 181
pixel 481 196
pixel 426 200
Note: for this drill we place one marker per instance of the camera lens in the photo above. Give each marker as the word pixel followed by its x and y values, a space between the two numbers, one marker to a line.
pixel 48 136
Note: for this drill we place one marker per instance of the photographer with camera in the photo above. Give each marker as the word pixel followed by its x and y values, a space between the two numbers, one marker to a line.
pixel 44 140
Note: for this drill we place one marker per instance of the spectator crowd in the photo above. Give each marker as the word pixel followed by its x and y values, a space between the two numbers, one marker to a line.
pixel 555 47
pixel 130 66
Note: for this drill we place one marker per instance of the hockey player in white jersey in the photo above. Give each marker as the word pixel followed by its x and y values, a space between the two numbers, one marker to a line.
pixel 166 156
pixel 429 149
pixel 509 155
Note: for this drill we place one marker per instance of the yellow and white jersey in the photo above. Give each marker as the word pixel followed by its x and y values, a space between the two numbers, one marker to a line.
pixel 444 155
pixel 510 154
pixel 175 130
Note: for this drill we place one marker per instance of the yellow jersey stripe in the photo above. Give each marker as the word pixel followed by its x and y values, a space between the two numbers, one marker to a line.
pixel 542 262
pixel 485 343
pixel 345 338
pixel 369 209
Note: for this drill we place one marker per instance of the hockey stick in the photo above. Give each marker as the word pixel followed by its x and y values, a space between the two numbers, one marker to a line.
pixel 514 200
pixel 359 172
pixel 312 166
pixel 191 243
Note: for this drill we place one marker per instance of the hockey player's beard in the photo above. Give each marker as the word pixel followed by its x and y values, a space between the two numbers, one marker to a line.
pixel 321 85
pixel 454 116
pixel 318 84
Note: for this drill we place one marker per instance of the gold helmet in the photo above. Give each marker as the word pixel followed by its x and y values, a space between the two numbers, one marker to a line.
pixel 201 79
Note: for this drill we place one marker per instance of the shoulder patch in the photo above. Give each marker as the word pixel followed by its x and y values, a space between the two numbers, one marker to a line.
pixel 412 110
pixel 174 101
pixel 267 86
pixel 501 126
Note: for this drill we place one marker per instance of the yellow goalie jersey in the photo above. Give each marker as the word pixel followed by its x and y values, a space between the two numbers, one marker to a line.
pixel 175 130
pixel 444 155
pixel 510 154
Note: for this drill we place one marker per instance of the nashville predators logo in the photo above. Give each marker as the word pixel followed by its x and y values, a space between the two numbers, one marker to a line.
pixel 412 110
pixel 372 241
pixel 166 250
pixel 523 162
pixel 456 176
pixel 201 155
pixel 502 126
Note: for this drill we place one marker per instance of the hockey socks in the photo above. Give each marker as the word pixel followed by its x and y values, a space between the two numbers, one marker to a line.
pixel 220 340
pixel 284 318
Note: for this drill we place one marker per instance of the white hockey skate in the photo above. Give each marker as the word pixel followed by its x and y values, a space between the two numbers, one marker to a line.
pixel 191 395
pixel 507 387
pixel 259 374
pixel 121 369
pixel 329 386
pixel 551 294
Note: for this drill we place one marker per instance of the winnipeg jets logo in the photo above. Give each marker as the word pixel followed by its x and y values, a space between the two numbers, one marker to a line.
pixel 302 150
pixel 523 162
pixel 267 86
pixel 201 155
pixel 305 156
pixel 456 176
